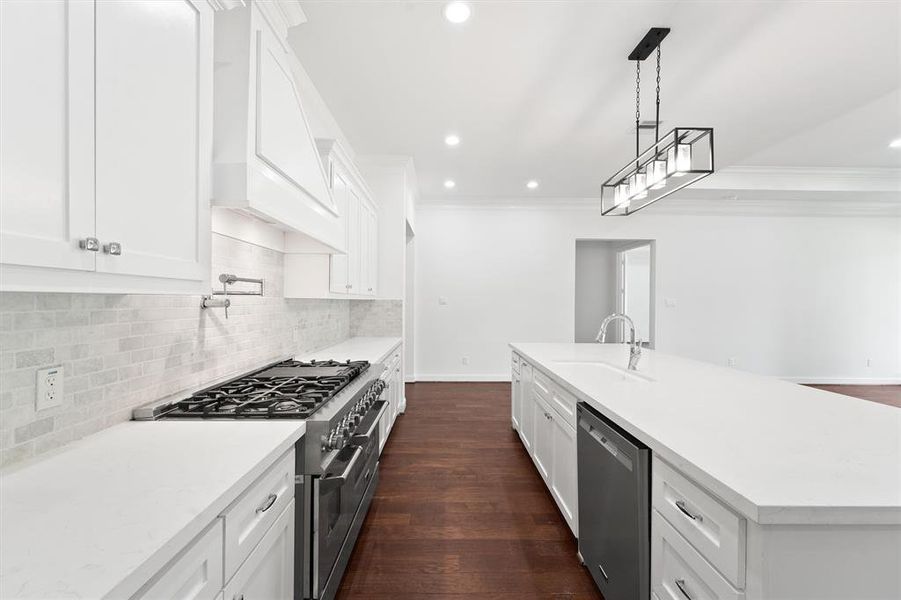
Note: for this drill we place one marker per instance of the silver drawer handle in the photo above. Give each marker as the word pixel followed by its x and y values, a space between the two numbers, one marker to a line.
pixel 680 583
pixel 91 244
pixel 680 504
pixel 113 248
pixel 270 500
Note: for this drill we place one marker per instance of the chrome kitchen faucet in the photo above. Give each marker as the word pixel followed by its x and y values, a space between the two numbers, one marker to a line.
pixel 634 341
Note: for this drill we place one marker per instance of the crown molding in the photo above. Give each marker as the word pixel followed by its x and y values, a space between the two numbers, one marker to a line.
pixel 781 191
pixel 281 15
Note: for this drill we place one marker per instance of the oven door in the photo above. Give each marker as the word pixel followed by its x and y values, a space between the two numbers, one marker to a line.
pixel 340 492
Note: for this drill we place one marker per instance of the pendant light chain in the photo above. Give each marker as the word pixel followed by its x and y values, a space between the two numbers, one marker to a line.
pixel 657 124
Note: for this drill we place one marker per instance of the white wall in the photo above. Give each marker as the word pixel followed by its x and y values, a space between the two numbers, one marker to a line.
pixel 810 298
pixel 595 291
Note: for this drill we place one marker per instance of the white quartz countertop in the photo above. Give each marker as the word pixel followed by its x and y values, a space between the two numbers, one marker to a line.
pixel 100 517
pixel 775 451
pixel 373 349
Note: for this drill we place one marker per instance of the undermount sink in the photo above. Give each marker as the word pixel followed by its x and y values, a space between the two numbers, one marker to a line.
pixel 606 369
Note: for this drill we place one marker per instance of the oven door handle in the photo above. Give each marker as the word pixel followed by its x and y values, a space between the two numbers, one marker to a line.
pixel 331 482
pixel 362 438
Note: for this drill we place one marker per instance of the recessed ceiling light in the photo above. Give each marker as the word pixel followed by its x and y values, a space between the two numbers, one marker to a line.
pixel 457 12
pixel 452 139
pixel 895 143
pixel 449 184
pixel 532 184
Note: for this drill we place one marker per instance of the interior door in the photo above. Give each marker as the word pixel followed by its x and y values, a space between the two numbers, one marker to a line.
pixel 47 133
pixel 154 136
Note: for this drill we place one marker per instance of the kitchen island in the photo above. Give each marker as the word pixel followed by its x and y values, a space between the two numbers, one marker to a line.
pixel 798 490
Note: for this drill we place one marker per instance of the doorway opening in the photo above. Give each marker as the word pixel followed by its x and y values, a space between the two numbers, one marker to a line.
pixel 615 276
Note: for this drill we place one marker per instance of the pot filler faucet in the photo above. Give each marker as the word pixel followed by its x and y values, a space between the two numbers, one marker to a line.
pixel 634 341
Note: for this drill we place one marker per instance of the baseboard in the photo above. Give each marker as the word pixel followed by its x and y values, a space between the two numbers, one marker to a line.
pixel 505 378
pixel 844 380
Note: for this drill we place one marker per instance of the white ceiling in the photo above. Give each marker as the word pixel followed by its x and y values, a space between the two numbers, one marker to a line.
pixel 543 90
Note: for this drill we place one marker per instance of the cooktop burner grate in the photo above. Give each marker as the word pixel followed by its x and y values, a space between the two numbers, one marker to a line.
pixel 289 390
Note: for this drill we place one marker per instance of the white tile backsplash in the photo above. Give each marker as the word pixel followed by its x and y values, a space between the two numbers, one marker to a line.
pixel 121 351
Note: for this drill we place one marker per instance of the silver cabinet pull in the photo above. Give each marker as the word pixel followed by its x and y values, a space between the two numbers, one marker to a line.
pixel 270 500
pixel 91 244
pixel 680 504
pixel 680 583
pixel 113 248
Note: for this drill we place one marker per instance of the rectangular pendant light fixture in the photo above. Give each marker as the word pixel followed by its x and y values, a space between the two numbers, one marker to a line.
pixel 680 158
pixel 675 160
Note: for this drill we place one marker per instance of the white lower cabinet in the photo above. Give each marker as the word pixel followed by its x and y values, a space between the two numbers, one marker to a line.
pixel 247 553
pixel 564 481
pixel 268 573
pixel 516 400
pixel 547 435
pixel 679 572
pixel 527 416
pixel 393 394
pixel 543 441
pixel 195 575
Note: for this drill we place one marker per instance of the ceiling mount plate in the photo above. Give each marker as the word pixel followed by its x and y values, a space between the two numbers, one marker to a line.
pixel 649 43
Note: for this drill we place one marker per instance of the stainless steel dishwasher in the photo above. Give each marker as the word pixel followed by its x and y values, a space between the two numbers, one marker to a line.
pixel 614 507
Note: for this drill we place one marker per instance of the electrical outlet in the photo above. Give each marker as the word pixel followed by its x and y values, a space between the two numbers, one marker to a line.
pixel 49 388
pixel 465 360
pixel 869 362
pixel 733 361
pixel 670 302
pixel 442 301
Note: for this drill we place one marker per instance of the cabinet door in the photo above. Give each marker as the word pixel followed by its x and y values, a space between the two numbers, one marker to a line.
pixel 354 210
pixel 543 442
pixel 527 421
pixel 195 575
pixel 516 400
pixel 373 253
pixel 268 573
pixel 564 485
pixel 339 262
pixel 46 133
pixel 154 76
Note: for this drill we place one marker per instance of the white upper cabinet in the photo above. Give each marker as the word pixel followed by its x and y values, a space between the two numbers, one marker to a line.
pixel 265 158
pixel 314 273
pixel 46 133
pixel 153 94
pixel 106 145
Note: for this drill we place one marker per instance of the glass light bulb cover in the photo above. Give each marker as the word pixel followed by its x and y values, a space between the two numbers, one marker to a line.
pixel 671 161
pixel 657 177
pixel 683 158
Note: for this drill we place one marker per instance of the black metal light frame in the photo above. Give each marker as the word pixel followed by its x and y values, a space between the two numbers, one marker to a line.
pixel 702 164
pixel 699 139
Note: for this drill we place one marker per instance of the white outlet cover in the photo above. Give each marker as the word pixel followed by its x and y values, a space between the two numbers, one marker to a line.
pixel 49 388
pixel 670 302
pixel 442 301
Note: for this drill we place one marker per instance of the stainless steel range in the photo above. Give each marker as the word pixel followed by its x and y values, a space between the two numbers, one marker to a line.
pixel 337 459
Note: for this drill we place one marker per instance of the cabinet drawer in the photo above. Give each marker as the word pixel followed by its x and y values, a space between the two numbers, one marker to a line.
pixel 248 518
pixel 714 530
pixel 195 574
pixel 268 573
pixel 542 386
pixel 679 572
pixel 564 403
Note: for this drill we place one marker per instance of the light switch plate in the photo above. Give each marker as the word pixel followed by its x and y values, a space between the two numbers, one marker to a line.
pixel 49 388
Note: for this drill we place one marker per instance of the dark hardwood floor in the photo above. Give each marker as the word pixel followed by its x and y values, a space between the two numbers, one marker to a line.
pixel 884 394
pixel 460 511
